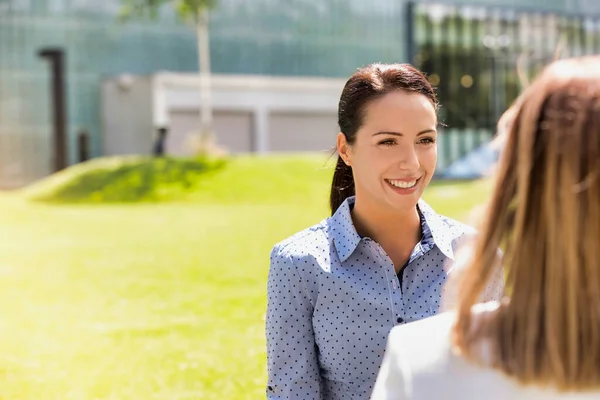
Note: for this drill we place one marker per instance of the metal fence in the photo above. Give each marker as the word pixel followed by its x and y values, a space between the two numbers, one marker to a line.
pixel 477 57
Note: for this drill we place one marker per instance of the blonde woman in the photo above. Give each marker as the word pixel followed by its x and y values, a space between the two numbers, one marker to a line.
pixel 544 341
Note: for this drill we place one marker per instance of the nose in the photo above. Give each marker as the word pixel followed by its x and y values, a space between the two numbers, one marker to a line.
pixel 409 160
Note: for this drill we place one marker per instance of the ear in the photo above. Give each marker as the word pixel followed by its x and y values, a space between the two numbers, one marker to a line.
pixel 343 148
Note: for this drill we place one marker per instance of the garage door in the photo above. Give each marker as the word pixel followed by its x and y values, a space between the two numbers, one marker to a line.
pixel 292 131
pixel 233 130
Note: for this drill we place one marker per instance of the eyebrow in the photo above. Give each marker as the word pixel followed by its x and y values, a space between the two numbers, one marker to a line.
pixel 401 134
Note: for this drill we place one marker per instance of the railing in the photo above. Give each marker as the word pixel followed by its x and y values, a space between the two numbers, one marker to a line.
pixel 479 58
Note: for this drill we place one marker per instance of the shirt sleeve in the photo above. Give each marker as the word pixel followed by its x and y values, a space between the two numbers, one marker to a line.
pixel 391 381
pixel 293 369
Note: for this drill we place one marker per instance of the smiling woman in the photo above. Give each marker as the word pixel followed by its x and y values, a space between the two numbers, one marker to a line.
pixel 393 149
pixel 336 290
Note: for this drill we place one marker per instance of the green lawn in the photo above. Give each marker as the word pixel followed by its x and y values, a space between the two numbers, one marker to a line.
pixel 157 301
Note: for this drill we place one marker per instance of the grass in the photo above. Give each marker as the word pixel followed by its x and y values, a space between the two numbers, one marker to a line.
pixel 157 301
pixel 123 180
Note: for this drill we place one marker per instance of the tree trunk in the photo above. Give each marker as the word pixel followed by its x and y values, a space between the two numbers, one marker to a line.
pixel 206 131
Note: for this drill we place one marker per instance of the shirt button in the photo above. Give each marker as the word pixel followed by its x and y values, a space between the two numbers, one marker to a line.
pixel 400 320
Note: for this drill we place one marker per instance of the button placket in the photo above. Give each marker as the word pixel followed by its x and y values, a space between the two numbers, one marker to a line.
pixel 397 302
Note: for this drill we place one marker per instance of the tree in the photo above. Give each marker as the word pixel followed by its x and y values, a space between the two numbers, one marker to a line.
pixel 197 13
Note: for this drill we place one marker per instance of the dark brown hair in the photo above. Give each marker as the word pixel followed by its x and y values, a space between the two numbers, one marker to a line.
pixel 367 84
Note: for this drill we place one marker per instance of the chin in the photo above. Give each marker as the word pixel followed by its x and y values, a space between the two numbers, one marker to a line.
pixel 405 203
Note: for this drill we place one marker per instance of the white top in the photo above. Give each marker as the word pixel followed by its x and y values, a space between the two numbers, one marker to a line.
pixel 419 364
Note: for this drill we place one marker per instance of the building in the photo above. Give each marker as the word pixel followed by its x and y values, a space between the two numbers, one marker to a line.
pixel 252 113
pixel 469 48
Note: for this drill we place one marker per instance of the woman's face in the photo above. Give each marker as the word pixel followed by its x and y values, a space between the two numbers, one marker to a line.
pixel 394 155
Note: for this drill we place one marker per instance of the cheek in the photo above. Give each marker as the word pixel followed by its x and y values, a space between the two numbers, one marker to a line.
pixel 368 166
pixel 428 157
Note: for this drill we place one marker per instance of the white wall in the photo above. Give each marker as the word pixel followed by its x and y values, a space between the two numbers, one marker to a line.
pixel 127 116
pixel 233 130
pixel 251 113
pixel 287 114
pixel 302 131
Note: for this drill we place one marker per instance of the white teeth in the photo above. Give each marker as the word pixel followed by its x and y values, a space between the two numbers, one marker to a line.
pixel 403 184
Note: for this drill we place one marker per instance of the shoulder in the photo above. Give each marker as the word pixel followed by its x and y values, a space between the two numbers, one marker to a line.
pixel 448 234
pixel 420 335
pixel 303 256
pixel 446 225
pixel 456 227
pixel 308 249
pixel 421 348
pixel 427 342
pixel 460 234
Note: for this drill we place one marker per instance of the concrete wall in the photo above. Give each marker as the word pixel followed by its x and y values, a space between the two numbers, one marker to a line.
pixel 251 113
pixel 302 131
pixel 127 115
pixel 257 113
pixel 233 129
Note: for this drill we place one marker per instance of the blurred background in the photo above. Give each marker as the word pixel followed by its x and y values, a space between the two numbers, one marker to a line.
pixel 152 152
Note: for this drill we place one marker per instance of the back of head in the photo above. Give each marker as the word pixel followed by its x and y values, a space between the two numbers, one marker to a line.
pixel 545 215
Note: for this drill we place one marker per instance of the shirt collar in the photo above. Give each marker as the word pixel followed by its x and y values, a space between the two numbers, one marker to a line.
pixel 443 235
pixel 344 233
pixel 346 239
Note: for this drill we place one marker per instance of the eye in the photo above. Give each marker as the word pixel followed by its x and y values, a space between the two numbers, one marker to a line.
pixel 387 142
pixel 427 140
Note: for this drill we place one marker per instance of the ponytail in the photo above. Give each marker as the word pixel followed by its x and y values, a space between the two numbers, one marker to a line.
pixel 342 185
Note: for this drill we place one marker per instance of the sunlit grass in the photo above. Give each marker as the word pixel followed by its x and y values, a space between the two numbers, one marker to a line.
pixel 157 301
pixel 124 180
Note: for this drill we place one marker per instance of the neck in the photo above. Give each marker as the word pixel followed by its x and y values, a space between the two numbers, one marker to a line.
pixel 386 226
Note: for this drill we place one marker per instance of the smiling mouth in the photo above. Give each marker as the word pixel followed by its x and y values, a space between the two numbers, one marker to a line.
pixel 402 184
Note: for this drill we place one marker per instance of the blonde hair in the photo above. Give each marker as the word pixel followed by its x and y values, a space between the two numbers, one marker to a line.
pixel 544 214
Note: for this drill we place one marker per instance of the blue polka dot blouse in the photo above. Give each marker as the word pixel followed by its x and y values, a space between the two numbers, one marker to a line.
pixel 334 296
